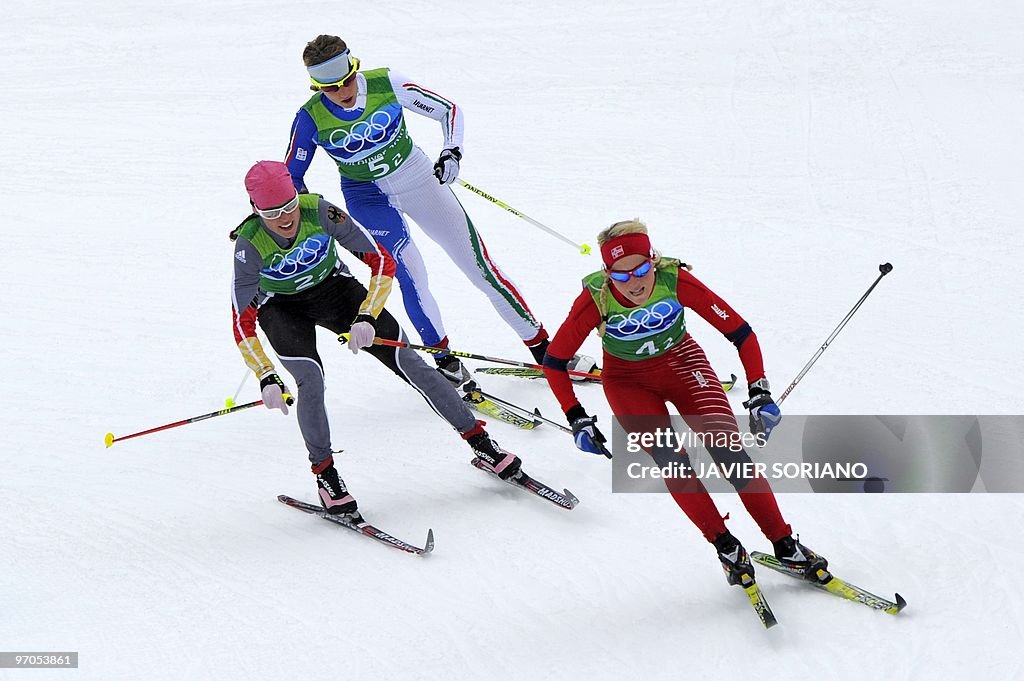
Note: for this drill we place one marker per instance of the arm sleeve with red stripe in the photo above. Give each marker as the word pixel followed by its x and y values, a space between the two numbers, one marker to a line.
pixel 715 311
pixel 583 318
pixel 414 97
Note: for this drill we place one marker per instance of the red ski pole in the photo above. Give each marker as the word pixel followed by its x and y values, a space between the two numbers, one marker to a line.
pixel 109 439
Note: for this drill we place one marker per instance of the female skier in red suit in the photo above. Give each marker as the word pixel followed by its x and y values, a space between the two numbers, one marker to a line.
pixel 637 303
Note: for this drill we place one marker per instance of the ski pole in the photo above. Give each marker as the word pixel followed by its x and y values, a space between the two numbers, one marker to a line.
pixel 584 249
pixel 230 402
pixel 109 439
pixel 468 355
pixel 884 269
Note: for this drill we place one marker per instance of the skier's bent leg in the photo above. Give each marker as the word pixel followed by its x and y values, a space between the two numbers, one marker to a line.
pixel 408 366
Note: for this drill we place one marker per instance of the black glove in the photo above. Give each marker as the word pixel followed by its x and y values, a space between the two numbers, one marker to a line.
pixel 764 413
pixel 275 393
pixel 447 167
pixel 584 431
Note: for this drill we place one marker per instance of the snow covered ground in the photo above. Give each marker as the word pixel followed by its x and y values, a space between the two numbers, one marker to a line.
pixel 784 148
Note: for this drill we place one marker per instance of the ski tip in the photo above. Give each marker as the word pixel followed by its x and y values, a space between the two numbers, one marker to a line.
pixel 283 498
pixel 108 439
pixel 900 604
pixel 429 546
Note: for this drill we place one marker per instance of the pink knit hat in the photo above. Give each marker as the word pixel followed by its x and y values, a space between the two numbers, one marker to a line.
pixel 269 184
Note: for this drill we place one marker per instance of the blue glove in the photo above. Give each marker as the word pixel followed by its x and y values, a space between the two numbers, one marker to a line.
pixel 764 413
pixel 584 431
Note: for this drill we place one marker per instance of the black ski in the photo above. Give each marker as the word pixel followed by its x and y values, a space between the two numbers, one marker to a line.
pixel 564 499
pixel 526 372
pixel 828 582
pixel 356 523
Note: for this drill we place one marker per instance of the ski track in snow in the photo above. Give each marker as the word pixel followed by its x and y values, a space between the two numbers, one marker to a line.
pixel 785 149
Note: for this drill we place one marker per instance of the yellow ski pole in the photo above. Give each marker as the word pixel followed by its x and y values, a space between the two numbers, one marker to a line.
pixel 584 249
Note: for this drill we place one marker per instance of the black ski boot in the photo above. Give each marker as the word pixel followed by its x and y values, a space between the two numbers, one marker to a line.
pixel 798 559
pixel 452 369
pixel 735 560
pixel 505 464
pixel 334 496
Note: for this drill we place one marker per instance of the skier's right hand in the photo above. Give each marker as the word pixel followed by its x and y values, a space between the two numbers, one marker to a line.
pixel 584 431
pixel 275 394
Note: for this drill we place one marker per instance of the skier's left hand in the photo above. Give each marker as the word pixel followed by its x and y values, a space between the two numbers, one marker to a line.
pixel 764 413
pixel 362 333
pixel 584 431
pixel 275 394
pixel 447 167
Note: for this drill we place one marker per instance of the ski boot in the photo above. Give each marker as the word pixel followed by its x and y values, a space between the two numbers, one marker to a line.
pixel 583 363
pixel 334 496
pixel 799 560
pixel 452 369
pixel 505 464
pixel 735 561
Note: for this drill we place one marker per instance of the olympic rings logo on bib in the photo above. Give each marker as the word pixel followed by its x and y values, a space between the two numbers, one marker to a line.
pixel 364 134
pixel 644 321
pixel 301 258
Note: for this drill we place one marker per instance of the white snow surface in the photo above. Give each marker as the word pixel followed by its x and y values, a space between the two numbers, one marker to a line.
pixel 785 148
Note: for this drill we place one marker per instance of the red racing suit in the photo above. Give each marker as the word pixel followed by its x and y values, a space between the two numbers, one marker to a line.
pixel 681 376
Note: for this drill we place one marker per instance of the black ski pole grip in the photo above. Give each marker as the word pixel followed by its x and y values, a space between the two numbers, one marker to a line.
pixel 885 268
